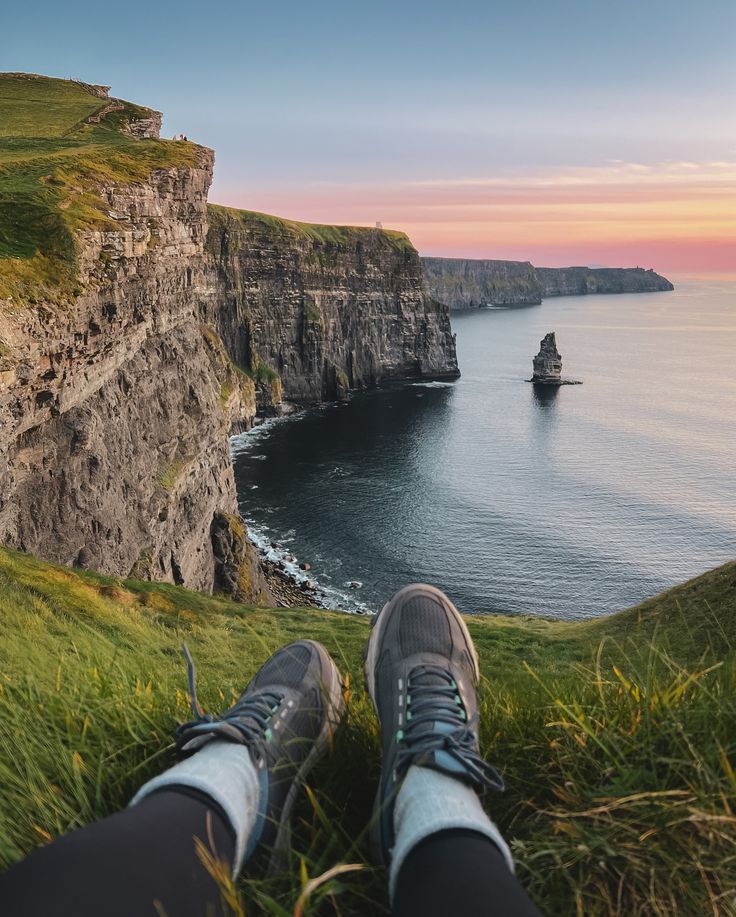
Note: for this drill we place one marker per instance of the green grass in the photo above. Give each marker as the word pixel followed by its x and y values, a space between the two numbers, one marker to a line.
pixel 262 373
pixel 52 165
pixel 264 224
pixel 170 474
pixel 617 737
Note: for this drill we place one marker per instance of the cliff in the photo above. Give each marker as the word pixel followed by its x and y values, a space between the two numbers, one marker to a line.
pixel 324 308
pixel 129 351
pixel 578 281
pixel 115 399
pixel 471 284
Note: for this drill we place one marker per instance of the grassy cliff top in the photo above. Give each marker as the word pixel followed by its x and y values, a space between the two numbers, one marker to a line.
pixel 616 737
pixel 278 227
pixel 52 162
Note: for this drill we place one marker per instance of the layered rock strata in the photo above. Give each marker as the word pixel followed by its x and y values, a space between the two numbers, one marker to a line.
pixel 115 408
pixel 471 284
pixel 323 309
pixel 548 362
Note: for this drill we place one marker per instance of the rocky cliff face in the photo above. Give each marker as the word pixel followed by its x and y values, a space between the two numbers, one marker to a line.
pixel 129 350
pixel 547 363
pixel 115 407
pixel 327 309
pixel 578 281
pixel 471 284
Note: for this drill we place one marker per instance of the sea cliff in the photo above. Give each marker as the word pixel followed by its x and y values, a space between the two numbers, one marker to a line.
pixel 471 284
pixel 130 349
pixel 324 309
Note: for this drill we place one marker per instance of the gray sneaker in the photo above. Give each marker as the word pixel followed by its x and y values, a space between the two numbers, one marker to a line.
pixel 286 717
pixel 421 669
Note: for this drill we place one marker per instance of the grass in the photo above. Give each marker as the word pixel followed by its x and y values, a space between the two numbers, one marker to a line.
pixel 52 165
pixel 262 373
pixel 324 236
pixel 617 737
pixel 170 474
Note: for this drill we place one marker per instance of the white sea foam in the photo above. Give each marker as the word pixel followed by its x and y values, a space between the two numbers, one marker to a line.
pixel 264 539
pixel 432 384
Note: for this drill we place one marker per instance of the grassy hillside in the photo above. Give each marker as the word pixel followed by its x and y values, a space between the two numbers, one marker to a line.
pixel 52 162
pixel 617 738
pixel 263 224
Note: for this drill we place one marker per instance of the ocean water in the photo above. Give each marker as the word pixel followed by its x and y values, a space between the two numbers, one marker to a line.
pixel 569 502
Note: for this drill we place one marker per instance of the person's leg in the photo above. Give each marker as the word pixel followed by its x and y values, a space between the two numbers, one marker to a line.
pixel 444 854
pixel 145 860
pixel 458 872
pixel 194 826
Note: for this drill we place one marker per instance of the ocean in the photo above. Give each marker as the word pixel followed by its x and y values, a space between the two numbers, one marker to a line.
pixel 570 502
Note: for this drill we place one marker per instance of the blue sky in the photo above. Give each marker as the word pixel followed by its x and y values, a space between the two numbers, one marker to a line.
pixel 312 106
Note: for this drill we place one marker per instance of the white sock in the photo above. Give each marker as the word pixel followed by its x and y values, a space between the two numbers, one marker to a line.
pixel 225 772
pixel 430 801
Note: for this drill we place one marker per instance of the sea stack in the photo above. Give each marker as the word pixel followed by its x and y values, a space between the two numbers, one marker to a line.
pixel 548 362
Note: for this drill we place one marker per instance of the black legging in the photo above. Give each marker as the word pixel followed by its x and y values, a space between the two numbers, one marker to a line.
pixel 143 862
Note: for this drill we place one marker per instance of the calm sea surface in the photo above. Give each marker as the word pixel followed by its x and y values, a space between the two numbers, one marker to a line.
pixel 574 503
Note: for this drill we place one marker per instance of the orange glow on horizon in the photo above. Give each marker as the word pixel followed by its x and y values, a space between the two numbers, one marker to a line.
pixel 670 216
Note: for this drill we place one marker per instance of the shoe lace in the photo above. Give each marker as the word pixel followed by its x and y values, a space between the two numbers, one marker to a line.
pixel 436 721
pixel 246 722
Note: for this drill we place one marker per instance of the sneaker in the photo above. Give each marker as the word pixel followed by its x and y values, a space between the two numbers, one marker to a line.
pixel 421 670
pixel 286 717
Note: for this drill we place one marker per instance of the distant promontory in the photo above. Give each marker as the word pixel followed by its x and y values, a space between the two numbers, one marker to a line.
pixel 466 283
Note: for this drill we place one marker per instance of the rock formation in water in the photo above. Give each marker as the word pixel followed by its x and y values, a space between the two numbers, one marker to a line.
pixel 129 351
pixel 548 362
pixel 471 284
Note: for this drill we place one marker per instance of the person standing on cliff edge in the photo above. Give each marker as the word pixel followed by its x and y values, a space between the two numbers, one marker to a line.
pixel 226 804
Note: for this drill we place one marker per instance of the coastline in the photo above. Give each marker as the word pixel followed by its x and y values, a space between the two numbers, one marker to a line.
pixel 290 584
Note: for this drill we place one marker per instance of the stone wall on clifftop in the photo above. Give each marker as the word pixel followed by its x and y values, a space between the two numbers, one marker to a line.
pixel 326 308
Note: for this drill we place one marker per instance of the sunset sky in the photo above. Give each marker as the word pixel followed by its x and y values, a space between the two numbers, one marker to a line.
pixel 560 132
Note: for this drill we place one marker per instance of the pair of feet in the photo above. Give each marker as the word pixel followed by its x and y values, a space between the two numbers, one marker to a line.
pixel 421 670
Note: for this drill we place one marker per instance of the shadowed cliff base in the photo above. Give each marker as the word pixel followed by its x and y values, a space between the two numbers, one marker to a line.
pixel 616 737
pixel 472 284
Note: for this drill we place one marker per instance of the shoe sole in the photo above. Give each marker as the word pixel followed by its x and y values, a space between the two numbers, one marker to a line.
pixel 332 684
pixel 379 625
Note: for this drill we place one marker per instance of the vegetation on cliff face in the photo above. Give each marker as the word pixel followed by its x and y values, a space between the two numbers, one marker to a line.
pixel 54 157
pixel 617 736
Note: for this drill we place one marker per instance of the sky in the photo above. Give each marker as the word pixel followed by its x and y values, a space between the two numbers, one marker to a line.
pixel 556 131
